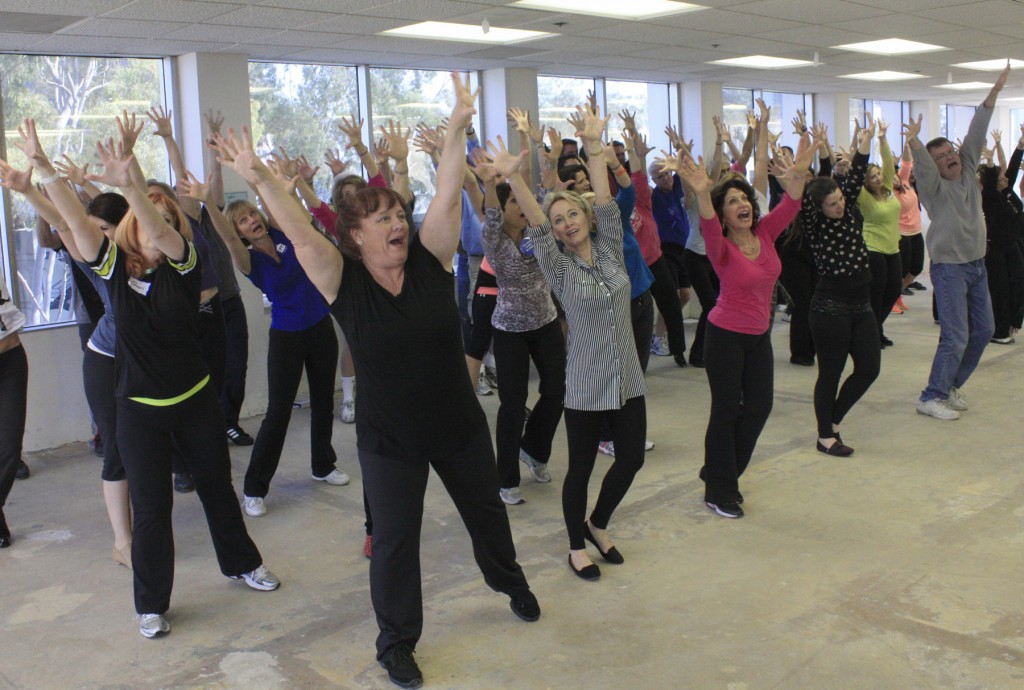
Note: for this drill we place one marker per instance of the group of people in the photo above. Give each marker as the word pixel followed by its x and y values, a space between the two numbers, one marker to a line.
pixel 577 269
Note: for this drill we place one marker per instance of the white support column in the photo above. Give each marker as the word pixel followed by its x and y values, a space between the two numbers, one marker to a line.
pixel 500 90
pixel 833 109
pixel 930 122
pixel 701 100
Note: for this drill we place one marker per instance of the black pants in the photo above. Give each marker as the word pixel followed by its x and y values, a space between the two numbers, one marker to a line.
pixel 316 350
pixel 236 362
pixel 886 285
pixel 145 434
pixel 741 375
pixel 512 355
pixel 628 430
pixel 395 490
pixel 213 339
pixel 665 292
pixel 98 378
pixel 842 330
pixel 1005 267
pixel 912 254
pixel 705 283
pixel 482 308
pixel 13 407
pixel 798 278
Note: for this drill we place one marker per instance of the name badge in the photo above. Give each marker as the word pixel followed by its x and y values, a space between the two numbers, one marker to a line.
pixel 139 286
pixel 526 246
pixel 282 248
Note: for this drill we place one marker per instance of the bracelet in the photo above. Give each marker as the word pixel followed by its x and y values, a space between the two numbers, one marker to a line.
pixel 615 171
pixel 51 179
pixel 470 132
pixel 361 153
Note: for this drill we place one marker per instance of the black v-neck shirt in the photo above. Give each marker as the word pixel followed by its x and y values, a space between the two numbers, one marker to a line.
pixel 415 397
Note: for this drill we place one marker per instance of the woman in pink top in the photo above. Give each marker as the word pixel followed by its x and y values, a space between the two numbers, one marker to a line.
pixel 737 344
pixel 911 239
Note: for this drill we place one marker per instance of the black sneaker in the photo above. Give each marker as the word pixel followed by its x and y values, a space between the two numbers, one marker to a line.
pixel 728 510
pixel 183 483
pixel 21 470
pixel 238 436
pixel 917 286
pixel 525 606
pixel 5 532
pixel 401 667
pixel 97 445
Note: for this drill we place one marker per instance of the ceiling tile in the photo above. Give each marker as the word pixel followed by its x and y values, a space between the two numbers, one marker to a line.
pixel 271 18
pixel 221 33
pixel 121 28
pixel 89 8
pixel 978 15
pixel 176 10
pixel 800 10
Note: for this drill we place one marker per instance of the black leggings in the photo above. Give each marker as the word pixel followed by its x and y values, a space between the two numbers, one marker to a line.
pixel 840 330
pixel 316 349
pixel 798 278
pixel 665 292
pixel 741 373
pixel 705 283
pixel 98 377
pixel 512 355
pixel 483 307
pixel 912 255
pixel 1005 267
pixel 145 434
pixel 628 426
pixel 641 314
pixel 13 407
pixel 236 331
pixel 886 285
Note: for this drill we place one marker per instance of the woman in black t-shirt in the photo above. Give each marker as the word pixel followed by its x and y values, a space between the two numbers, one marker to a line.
pixel 162 384
pixel 392 295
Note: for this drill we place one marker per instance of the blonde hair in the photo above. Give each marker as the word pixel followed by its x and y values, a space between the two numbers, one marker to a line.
pixel 237 209
pixel 126 235
pixel 580 201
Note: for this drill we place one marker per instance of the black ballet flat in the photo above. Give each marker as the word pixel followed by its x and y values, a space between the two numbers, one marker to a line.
pixel 589 573
pixel 837 449
pixel 5 532
pixel 612 555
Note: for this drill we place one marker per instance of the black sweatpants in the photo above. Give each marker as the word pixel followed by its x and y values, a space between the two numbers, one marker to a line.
pixel 513 352
pixel 628 430
pixel 665 292
pixel 395 490
pixel 145 434
pixel 886 285
pixel 798 278
pixel 842 330
pixel 705 283
pixel 288 352
pixel 1005 267
pixel 236 362
pixel 13 407
pixel 98 379
pixel 741 374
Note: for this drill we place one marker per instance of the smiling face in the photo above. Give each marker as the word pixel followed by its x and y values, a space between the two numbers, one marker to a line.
pixel 834 205
pixel 383 237
pixel 947 160
pixel 570 224
pixel 737 211
pixel 873 179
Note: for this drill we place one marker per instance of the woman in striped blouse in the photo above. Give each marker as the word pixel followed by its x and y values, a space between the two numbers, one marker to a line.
pixel 604 383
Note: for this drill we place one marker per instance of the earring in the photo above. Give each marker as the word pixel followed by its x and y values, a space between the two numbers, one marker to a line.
pixel 359 242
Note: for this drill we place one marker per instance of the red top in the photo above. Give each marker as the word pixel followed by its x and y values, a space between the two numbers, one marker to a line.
pixel 644 226
pixel 326 216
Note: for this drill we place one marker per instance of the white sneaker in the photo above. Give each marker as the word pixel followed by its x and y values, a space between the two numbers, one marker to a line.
pixel 956 400
pixel 254 506
pixel 659 347
pixel 648 444
pixel 607 447
pixel 336 478
pixel 938 409
pixel 490 375
pixel 153 625
pixel 539 470
pixel 348 412
pixel 512 496
pixel 482 388
pixel 261 579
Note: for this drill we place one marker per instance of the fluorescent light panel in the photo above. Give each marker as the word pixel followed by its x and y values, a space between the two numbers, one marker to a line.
pixel 990 65
pixel 890 46
pixel 761 62
pixel 616 9
pixel 466 33
pixel 884 75
pixel 965 86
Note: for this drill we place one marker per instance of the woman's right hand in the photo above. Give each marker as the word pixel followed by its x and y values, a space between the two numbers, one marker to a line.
pixel 194 189
pixel 17 180
pixel 117 165
pixel 505 163
pixel 691 173
pixel 237 153
pixel 353 129
pixel 68 169
pixel 31 147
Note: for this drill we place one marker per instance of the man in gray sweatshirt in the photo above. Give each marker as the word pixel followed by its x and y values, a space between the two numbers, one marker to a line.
pixel 949 191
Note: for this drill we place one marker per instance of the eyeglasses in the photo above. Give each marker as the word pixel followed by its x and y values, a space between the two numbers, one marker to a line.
pixel 945 155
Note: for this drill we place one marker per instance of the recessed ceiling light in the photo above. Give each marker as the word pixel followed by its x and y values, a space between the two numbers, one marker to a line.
pixel 890 46
pixel 761 62
pixel 467 33
pixel 734 106
pixel 617 9
pixel 884 75
pixel 990 65
pixel 965 86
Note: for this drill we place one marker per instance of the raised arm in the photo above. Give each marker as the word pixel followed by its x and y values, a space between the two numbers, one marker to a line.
pixel 507 164
pixel 997 145
pixel 353 129
pixel 589 127
pixel 521 119
pixel 763 145
pixel 77 176
pixel 318 257
pixel 162 124
pixel 887 166
pixel 203 193
pixel 214 121
pixel 439 230
pixel 398 150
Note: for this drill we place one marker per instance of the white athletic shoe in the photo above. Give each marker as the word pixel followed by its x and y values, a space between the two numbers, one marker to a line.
pixel 512 496
pixel 938 409
pixel 956 400
pixel 482 388
pixel 261 579
pixel 348 412
pixel 335 478
pixel 254 506
pixel 153 625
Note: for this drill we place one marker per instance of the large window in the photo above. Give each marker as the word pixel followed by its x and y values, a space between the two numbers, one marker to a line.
pixel 894 113
pixel 557 98
pixel 298 107
pixel 958 121
pixel 74 101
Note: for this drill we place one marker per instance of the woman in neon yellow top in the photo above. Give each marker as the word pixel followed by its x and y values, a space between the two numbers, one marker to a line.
pixel 881 212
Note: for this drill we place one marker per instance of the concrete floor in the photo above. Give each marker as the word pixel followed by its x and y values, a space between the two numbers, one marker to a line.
pixel 897 568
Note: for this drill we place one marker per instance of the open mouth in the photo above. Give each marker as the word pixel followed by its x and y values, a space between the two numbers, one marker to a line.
pixel 744 215
pixel 397 241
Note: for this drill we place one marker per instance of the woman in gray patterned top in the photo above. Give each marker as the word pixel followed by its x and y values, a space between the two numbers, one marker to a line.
pixel 604 383
pixel 526 327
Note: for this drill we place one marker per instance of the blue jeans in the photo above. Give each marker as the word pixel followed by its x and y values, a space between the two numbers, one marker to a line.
pixel 965 317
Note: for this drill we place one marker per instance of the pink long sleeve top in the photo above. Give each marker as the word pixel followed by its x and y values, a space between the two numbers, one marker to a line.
pixel 745 300
pixel 644 226
pixel 326 216
pixel 910 209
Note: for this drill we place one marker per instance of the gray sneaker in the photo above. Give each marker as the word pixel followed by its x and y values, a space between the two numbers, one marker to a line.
pixel 938 409
pixel 539 470
pixel 956 400
pixel 482 388
pixel 261 579
pixel 512 496
pixel 153 625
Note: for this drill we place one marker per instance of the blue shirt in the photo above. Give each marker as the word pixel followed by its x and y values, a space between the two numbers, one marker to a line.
pixel 104 335
pixel 471 228
pixel 667 207
pixel 295 303
pixel 640 276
